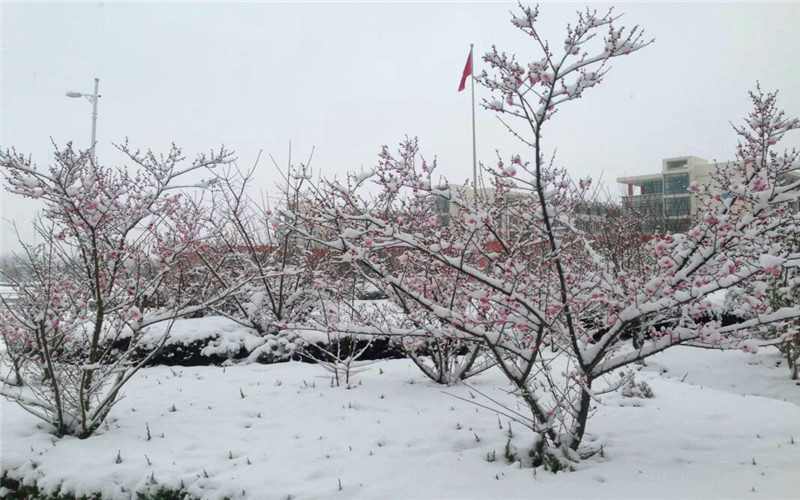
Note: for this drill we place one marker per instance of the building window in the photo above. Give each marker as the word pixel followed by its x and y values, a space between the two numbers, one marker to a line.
pixel 441 205
pixel 676 183
pixel 652 187
pixel 676 207
pixel 646 206
pixel 673 164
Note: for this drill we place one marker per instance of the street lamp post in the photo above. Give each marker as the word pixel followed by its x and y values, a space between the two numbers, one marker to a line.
pixel 93 98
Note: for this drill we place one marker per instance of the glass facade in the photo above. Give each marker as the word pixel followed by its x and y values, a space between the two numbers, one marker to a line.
pixel 672 213
pixel 650 205
pixel 651 209
pixel 652 187
pixel 663 202
pixel 676 183
pixel 676 207
pixel 441 206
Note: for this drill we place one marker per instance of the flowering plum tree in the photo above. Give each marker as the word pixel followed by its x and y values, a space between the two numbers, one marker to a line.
pixel 295 291
pixel 434 345
pixel 785 292
pixel 254 243
pixel 759 169
pixel 110 239
pixel 514 271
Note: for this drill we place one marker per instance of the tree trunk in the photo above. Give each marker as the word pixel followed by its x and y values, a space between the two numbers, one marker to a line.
pixel 582 417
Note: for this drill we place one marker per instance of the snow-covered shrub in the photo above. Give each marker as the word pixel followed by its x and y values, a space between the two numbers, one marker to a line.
pixel 637 389
pixel 299 298
pixel 279 345
pixel 444 359
pixel 447 360
pixel 785 292
pixel 110 239
pixel 434 345
pixel 514 270
pixel 208 340
pixel 332 336
pixel 284 274
pixel 781 289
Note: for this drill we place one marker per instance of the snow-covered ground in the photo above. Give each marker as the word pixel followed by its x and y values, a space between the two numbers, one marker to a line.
pixel 280 431
pixel 733 371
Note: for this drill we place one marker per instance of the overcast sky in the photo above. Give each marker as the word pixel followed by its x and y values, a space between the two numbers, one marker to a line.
pixel 349 77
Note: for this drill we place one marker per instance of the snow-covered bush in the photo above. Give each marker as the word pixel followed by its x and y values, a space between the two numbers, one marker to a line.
pixel 298 298
pixel 200 341
pixel 515 271
pixel 781 289
pixel 634 389
pixel 785 292
pixel 762 176
pixel 255 243
pixel 447 360
pixel 110 238
pixel 431 343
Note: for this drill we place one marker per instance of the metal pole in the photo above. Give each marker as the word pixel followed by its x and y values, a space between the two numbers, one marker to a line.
pixel 474 156
pixel 94 116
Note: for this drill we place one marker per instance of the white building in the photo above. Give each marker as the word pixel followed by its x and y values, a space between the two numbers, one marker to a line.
pixel 664 197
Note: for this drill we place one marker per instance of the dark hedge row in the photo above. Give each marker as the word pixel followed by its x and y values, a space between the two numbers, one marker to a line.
pixel 381 348
pixel 190 354
pixel 14 490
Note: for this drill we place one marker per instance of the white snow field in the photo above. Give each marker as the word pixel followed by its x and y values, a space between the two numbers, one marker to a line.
pixel 280 431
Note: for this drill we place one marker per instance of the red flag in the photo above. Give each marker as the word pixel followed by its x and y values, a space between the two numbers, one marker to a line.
pixel 467 72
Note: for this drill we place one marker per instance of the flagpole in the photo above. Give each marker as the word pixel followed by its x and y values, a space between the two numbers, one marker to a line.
pixel 474 156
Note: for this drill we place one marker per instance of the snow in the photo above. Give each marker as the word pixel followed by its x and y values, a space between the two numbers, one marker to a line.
pixel 398 435
pixel 717 300
pixel 225 336
pixel 769 261
pixel 763 375
pixel 351 233
pixel 318 337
